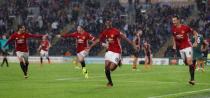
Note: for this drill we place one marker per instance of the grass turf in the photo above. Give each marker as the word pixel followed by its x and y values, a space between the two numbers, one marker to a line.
pixel 64 81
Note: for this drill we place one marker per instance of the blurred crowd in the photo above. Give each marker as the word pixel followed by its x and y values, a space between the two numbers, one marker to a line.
pixel 52 16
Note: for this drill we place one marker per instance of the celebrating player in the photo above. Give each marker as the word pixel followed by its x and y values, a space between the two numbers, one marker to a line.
pixel 82 43
pixel 197 51
pixel 148 55
pixel 182 42
pixel 21 45
pixel 113 55
pixel 44 48
pixel 136 42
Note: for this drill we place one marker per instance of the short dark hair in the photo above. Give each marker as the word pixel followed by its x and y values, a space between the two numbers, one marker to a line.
pixel 20 26
pixel 176 16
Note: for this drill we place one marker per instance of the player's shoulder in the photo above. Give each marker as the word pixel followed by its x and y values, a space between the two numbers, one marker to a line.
pixel 115 29
pixel 185 26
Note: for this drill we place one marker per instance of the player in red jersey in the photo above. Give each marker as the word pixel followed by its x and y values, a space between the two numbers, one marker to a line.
pixel 136 42
pixel 44 48
pixel 82 38
pixel 182 42
pixel 113 55
pixel 21 45
pixel 148 55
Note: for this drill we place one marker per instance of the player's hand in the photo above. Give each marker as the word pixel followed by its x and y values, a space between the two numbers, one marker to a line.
pixel 58 36
pixel 195 44
pixel 179 36
pixel 87 49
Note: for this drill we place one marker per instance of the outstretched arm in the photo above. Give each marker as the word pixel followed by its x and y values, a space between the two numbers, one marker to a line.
pixel 93 44
pixel 36 35
pixel 125 38
pixel 9 40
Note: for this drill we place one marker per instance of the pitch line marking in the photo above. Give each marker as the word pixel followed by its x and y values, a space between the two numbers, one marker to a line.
pixel 182 93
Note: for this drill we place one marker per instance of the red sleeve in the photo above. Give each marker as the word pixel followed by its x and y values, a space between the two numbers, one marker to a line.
pixel 188 29
pixel 70 35
pixel 12 37
pixel 91 37
pixel 29 35
pixel 102 37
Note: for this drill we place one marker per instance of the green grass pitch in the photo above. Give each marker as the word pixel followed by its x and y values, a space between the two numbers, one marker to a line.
pixel 64 81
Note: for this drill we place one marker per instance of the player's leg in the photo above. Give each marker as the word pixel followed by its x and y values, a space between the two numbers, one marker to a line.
pixel 41 56
pixel 202 65
pixel 25 56
pixel 6 61
pixel 81 58
pixel 47 56
pixel 111 61
pixel 189 59
pixel 22 62
pixel 198 64
pixel 134 66
pixel 108 73
pixel 146 62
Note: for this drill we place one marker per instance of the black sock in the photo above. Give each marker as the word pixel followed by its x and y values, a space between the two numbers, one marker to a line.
pixel 48 59
pixel 192 72
pixel 82 63
pixel 41 60
pixel 22 65
pixel 26 67
pixel 108 74
pixel 7 62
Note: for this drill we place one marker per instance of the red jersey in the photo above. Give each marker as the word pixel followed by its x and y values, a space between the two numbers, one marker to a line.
pixel 183 31
pixel 45 44
pixel 81 39
pixel 112 35
pixel 21 43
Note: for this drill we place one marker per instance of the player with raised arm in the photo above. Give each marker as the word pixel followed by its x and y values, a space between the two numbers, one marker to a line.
pixel 113 55
pixel 44 49
pixel 82 37
pixel 182 42
pixel 21 46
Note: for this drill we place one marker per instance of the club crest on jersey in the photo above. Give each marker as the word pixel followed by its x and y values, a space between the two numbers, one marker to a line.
pixel 182 31
pixel 112 35
pixel 83 37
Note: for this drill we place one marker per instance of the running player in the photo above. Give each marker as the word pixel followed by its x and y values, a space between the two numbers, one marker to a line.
pixel 82 43
pixel 182 42
pixel 136 42
pixel 43 49
pixel 113 55
pixel 197 51
pixel 21 45
pixel 148 55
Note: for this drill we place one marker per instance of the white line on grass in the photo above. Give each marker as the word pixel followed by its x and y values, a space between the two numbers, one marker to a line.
pixel 182 93
pixel 100 76
pixel 125 74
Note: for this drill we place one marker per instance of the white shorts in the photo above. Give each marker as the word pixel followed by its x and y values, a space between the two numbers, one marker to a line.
pixel 83 53
pixel 186 53
pixel 22 54
pixel 43 53
pixel 113 57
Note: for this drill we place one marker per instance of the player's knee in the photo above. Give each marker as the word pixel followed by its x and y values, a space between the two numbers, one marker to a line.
pixel 113 67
